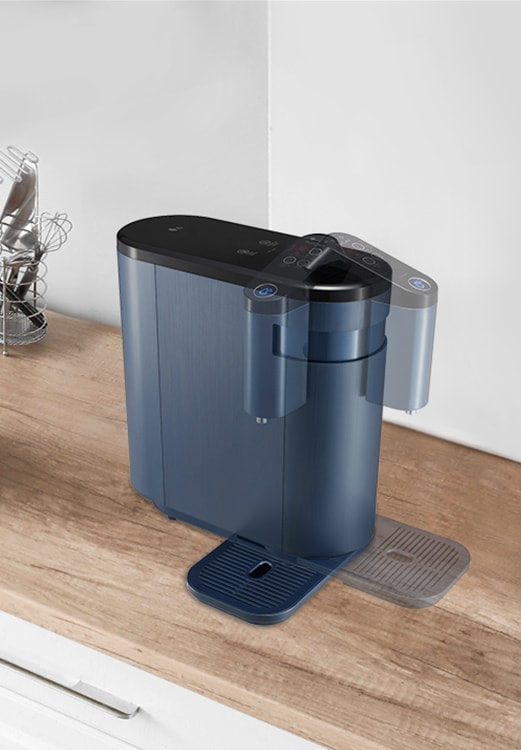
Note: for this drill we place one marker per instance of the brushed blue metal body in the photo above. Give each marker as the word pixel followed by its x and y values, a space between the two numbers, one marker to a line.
pixel 305 482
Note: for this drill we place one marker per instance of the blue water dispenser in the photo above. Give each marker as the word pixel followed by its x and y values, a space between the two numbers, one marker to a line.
pixel 257 365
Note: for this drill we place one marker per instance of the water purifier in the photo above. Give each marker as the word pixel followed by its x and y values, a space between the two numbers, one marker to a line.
pixel 257 365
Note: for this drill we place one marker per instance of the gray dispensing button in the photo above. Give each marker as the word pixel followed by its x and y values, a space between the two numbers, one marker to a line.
pixel 289 259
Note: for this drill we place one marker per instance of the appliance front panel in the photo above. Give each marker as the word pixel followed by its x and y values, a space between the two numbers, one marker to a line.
pixel 222 470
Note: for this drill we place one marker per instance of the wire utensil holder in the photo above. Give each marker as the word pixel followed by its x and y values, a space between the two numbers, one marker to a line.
pixel 26 237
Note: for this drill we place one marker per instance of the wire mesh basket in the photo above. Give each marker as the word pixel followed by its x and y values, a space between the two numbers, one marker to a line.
pixel 22 299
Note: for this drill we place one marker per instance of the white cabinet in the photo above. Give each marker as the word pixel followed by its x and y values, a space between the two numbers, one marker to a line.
pixel 56 694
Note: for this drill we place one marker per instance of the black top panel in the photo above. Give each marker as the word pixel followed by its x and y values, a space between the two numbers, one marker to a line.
pixel 302 267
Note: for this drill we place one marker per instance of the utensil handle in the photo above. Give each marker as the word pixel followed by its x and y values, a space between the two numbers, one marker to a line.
pixel 36 317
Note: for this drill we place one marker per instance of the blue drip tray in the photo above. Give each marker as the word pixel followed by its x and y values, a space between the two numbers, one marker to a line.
pixel 255 584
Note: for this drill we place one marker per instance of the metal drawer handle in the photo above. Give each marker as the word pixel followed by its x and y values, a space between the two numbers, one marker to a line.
pixel 117 707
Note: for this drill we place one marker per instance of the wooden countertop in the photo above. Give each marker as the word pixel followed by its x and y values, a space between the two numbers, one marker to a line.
pixel 83 555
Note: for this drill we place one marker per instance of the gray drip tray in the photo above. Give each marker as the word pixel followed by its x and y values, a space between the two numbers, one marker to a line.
pixel 405 565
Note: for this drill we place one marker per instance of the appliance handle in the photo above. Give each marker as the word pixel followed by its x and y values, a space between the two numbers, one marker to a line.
pixel 106 702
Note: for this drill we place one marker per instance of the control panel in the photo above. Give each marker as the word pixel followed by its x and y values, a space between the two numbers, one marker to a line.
pixel 270 263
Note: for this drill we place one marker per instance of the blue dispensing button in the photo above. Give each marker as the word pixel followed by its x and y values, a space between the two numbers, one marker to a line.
pixel 420 284
pixel 265 290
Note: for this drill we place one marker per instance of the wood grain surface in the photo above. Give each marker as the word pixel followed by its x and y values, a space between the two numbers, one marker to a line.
pixel 83 555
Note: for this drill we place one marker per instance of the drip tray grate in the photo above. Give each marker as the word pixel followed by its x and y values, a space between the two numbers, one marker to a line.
pixel 248 581
pixel 405 565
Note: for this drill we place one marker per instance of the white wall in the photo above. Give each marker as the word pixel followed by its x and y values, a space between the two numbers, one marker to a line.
pixel 135 109
pixel 398 122
pixel 401 123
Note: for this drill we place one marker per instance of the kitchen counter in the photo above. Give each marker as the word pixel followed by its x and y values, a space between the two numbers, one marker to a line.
pixel 83 555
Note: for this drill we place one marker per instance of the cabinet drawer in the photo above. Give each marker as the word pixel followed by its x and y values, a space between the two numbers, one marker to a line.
pixel 28 725
pixel 73 686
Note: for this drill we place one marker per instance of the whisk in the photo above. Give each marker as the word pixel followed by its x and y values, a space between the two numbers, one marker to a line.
pixel 53 230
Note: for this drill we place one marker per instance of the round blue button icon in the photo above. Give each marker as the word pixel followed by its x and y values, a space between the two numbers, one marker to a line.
pixel 418 283
pixel 265 290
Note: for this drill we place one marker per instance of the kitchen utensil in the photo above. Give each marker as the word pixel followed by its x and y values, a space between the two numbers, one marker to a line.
pixel 22 202
pixel 15 261
pixel 35 316
pixel 12 162
pixel 53 232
